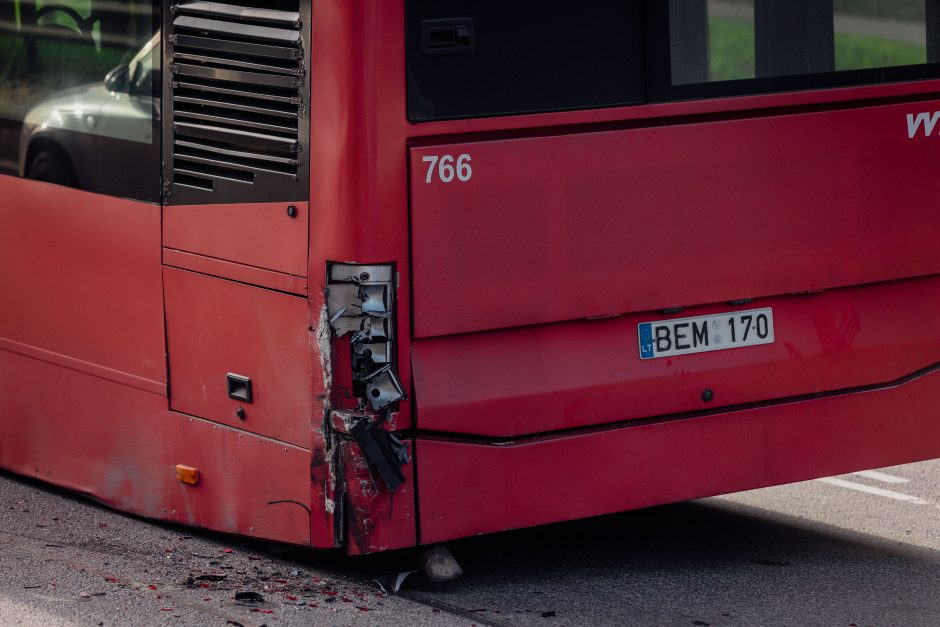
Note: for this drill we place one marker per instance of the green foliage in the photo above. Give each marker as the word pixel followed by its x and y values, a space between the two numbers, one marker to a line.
pixel 732 50
pixel 855 52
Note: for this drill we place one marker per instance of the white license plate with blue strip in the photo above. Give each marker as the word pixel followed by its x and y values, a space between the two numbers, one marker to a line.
pixel 702 334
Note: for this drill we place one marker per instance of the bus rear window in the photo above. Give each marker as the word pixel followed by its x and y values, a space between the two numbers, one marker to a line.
pixel 742 39
pixel 472 58
pixel 478 58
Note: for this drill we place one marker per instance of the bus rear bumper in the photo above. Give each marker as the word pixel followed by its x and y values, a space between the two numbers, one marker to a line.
pixel 469 487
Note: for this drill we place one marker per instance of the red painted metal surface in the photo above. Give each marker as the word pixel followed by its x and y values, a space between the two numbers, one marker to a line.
pixel 216 327
pixel 561 478
pixel 594 224
pixel 839 97
pixel 69 263
pixel 561 376
pixel 120 446
pixel 253 234
pixel 251 275
pixel 378 519
pixel 358 131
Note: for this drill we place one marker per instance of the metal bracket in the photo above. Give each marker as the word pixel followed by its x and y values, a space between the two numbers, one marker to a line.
pixel 360 301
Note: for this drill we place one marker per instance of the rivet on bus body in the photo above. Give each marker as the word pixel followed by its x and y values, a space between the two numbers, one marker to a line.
pixel 707 395
pixel 240 413
pixel 292 211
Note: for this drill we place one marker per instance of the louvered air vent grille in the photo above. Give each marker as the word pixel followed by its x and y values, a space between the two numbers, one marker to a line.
pixel 237 95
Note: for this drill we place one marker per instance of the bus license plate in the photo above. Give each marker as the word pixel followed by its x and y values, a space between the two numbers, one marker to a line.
pixel 702 334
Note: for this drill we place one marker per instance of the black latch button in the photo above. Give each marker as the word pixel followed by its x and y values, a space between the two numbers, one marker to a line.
pixel 239 387
pixel 448 36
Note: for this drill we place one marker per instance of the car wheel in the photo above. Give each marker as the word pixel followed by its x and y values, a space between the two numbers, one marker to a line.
pixel 52 166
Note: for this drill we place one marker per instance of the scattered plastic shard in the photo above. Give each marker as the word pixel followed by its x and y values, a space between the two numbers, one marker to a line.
pixel 392 583
pixel 249 597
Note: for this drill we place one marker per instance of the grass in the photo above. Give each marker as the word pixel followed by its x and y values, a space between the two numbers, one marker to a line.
pixel 732 51
pixel 855 52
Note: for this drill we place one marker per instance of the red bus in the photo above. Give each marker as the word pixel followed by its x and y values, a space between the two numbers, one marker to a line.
pixel 371 274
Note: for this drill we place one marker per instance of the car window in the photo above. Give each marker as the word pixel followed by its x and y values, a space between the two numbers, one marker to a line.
pixel 54 56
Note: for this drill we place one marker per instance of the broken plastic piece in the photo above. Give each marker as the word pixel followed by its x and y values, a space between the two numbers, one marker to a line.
pixel 348 272
pixel 343 300
pixel 381 450
pixel 377 352
pixel 392 582
pixel 374 299
pixel 360 302
pixel 383 388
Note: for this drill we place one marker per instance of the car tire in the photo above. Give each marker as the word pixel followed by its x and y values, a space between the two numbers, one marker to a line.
pixel 52 166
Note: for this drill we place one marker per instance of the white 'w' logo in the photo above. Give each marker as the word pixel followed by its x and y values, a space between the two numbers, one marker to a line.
pixel 927 120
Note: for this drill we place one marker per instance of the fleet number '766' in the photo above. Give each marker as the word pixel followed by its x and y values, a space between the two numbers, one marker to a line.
pixel 446 169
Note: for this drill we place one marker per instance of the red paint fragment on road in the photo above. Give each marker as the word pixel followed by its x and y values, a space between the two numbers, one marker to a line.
pixel 256 609
pixel 291 597
pixel 166 609
pixel 228 550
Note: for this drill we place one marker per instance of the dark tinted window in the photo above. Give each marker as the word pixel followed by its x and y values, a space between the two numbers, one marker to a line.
pixel 78 80
pixel 488 57
pixel 727 47
pixel 470 58
pixel 743 39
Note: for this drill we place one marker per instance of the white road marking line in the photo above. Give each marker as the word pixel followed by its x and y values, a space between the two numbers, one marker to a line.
pixel 881 476
pixel 861 487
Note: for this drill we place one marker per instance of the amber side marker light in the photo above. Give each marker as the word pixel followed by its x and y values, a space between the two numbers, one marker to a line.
pixel 187 474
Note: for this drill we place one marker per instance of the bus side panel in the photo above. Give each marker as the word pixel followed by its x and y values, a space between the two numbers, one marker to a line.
pixel 611 470
pixel 544 229
pixel 262 235
pixel 217 328
pixel 120 445
pixel 80 281
pixel 553 377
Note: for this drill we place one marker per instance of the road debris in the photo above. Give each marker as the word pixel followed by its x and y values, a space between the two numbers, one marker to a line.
pixel 392 583
pixel 249 597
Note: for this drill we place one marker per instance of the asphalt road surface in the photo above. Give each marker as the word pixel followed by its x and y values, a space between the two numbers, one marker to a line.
pixel 858 549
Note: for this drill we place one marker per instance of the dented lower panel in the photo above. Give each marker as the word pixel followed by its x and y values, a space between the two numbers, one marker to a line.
pixel 122 447
pixel 606 470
